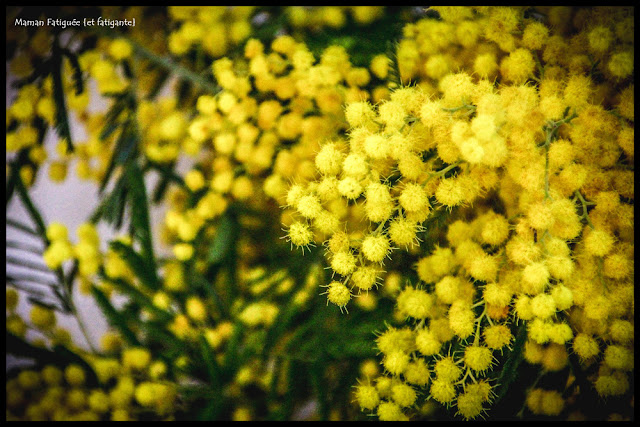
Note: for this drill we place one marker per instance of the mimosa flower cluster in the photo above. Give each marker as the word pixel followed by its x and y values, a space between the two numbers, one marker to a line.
pixel 458 201
pixel 553 252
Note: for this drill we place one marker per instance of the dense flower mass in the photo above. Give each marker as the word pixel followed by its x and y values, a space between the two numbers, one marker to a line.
pixel 463 195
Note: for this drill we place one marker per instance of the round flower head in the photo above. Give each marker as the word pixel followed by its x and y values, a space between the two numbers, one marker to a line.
pixel 414 198
pixel 56 231
pixel 410 166
pixel 560 333
pixel 562 297
pixel 379 204
pixel 469 405
pixel 543 306
pixel 551 403
pixel 367 397
pixel 497 295
pixel 355 165
pixel 621 331
pixel 339 242
pixel 42 317
pixel 417 373
pixel 461 319
pixel 329 159
pixel 427 342
pixel 403 231
pixel 535 278
pixel 618 357
pixel 615 384
pixel 495 230
pixel 300 234
pixel 364 278
pixel 343 263
pixel 395 362
pixel 416 303
pixel 497 336
pixel 598 243
pixel 309 206
pixel 538 330
pixel 326 222
pixel 403 394
pixel 396 339
pixel 74 375
pixel 390 411
pixel 338 294
pixel 442 391
pixel 446 369
pixel 350 188
pixel 375 247
pixel 359 113
pixel 51 375
pixel 448 289
pixel 376 146
pixel 478 358
pixel 296 191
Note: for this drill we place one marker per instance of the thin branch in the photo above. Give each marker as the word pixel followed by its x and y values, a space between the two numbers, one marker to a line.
pixel 164 62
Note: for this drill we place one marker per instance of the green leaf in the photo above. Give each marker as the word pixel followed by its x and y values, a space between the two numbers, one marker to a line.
pixel 213 369
pixel 320 387
pixel 231 360
pixel 199 281
pixel 160 334
pixel 139 297
pixel 31 209
pixel 140 212
pixel 168 176
pixel 59 356
pixel 108 129
pixel 212 410
pixel 112 207
pixel 510 368
pixel 21 226
pixel 114 318
pixel 62 116
pixel 145 272
pixel 125 149
pixel 77 71
pixel 223 240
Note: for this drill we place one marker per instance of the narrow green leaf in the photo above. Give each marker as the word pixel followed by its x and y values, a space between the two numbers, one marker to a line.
pixel 14 175
pixel 161 335
pixel 223 240
pixel 77 71
pixel 125 149
pixel 147 275
pixel 139 297
pixel 43 304
pixel 114 318
pixel 213 369
pixel 59 356
pixel 25 247
pixel 140 221
pixel 233 348
pixel 108 129
pixel 27 264
pixel 27 289
pixel 320 386
pixel 208 287
pixel 22 227
pixel 61 117
pixel 212 410
pixel 31 209
pixel 510 368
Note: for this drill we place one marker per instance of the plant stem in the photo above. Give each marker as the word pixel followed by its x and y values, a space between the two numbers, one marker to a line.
pixel 165 62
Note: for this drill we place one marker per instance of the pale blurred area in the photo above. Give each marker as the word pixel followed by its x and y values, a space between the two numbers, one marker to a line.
pixel 71 203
